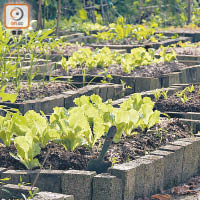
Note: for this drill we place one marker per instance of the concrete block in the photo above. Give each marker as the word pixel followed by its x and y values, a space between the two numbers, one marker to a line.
pixel 119 92
pixel 56 101
pixel 191 74
pixel 107 187
pixel 126 172
pixel 190 160
pixel 194 124
pixel 45 105
pixel 95 89
pixel 49 180
pixel 52 196
pixel 176 165
pixel 158 165
pixel 103 92
pixel 144 178
pixel 183 76
pixel 172 171
pixel 170 79
pixel 198 72
pixel 116 79
pixel 69 96
pixel 78 183
pixel 28 106
pixel 110 92
pixel 37 106
pixel 196 151
pixel 146 83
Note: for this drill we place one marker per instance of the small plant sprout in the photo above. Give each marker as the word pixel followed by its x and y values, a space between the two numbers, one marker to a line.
pixel 183 96
pixel 184 99
pixel 164 93
pixel 114 160
pixel 157 94
pixel 190 89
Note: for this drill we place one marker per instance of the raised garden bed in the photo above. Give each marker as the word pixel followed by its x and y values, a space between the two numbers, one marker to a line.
pixel 143 177
pixel 189 54
pixel 182 104
pixel 61 94
pixel 128 48
pixel 194 34
pixel 129 148
pixel 143 78
pixel 146 175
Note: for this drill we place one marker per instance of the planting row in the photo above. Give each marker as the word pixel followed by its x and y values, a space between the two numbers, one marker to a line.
pixel 82 125
pixel 139 142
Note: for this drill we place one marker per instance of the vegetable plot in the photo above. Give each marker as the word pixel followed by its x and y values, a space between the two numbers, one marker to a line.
pixel 82 125
pixel 86 59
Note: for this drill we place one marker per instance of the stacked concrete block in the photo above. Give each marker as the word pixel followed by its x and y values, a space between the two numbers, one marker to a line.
pixel 107 187
pixel 78 183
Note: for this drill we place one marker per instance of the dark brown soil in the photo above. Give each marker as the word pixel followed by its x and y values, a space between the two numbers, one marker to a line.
pixel 66 50
pixel 174 104
pixel 128 149
pixel 154 70
pixel 38 90
pixel 130 41
pixel 193 50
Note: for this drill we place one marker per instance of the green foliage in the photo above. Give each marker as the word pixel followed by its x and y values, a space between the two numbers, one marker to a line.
pixel 82 125
pixel 6 96
pixel 71 128
pixel 120 31
pixel 183 94
pixel 87 59
pixel 6 129
pixel 166 57
pixel 82 14
pixel 27 149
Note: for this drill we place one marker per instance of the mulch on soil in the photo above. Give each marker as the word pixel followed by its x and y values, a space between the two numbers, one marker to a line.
pixel 129 148
pixel 130 41
pixel 174 104
pixel 66 50
pixel 154 70
pixel 192 50
pixel 38 90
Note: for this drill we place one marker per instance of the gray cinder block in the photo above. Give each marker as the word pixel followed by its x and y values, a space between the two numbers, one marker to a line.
pixel 190 159
pixel 49 180
pixel 158 165
pixel 176 165
pixel 107 187
pixel 172 165
pixel 78 183
pixel 126 172
pixel 196 151
pixel 144 178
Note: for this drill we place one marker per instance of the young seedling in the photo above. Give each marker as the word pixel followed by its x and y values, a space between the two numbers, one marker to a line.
pixel 157 94
pixel 164 93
